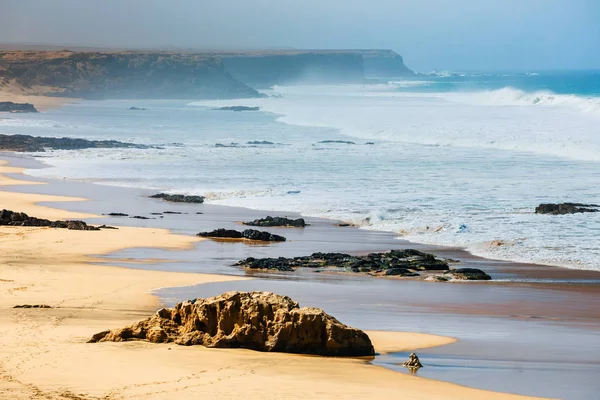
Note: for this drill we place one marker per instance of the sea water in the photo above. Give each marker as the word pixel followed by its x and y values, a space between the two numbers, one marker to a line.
pixel 451 159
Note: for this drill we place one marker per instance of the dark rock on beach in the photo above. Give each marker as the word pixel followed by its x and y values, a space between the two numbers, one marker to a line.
pixel 40 144
pixel 393 263
pixel 413 362
pixel 277 221
pixel 467 274
pixel 178 198
pixel 259 321
pixel 9 106
pixel 566 208
pixel 251 234
pixel 236 108
pixel 32 306
pixel 11 218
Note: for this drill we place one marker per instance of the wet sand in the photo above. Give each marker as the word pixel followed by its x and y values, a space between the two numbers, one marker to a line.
pixel 521 317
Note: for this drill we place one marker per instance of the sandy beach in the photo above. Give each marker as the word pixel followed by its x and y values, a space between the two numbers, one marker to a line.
pixel 18 94
pixel 44 354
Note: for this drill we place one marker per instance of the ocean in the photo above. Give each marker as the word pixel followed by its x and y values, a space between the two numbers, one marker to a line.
pixel 457 159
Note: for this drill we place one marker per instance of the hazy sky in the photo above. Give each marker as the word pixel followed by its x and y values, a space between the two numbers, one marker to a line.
pixel 430 34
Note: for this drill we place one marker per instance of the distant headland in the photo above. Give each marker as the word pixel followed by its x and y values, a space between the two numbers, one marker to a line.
pixel 197 75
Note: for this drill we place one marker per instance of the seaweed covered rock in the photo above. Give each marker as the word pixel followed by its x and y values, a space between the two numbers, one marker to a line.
pixel 277 221
pixel 178 198
pixel 260 321
pixel 251 234
pixel 12 218
pixel 393 263
pixel 566 208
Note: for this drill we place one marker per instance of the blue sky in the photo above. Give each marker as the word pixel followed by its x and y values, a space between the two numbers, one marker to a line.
pixel 430 34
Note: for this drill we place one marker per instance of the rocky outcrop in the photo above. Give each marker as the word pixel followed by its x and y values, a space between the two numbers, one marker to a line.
pixel 124 75
pixel 336 141
pixel 393 263
pixel 467 274
pixel 278 221
pixel 11 218
pixel 178 198
pixel 236 108
pixel 566 208
pixel 250 234
pixel 9 106
pixel 413 362
pixel 26 143
pixel 259 321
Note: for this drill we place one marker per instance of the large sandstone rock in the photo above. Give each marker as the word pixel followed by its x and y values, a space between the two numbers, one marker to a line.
pixel 258 320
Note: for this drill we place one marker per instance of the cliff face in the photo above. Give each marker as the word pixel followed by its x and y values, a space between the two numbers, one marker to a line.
pixel 123 75
pixel 384 63
pixel 263 69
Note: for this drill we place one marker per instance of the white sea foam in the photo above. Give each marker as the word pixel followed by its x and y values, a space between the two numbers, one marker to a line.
pixel 439 171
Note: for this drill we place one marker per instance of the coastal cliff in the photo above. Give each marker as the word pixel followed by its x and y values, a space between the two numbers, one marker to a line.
pixel 94 75
pixel 263 69
pixel 267 68
pixel 384 63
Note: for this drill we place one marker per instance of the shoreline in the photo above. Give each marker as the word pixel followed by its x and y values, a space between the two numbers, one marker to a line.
pixel 520 272
pixel 112 296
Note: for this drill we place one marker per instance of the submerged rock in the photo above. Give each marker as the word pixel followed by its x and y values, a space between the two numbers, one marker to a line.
pixel 566 208
pixel 9 106
pixel 12 218
pixel 413 362
pixel 117 214
pixel 251 234
pixel 277 221
pixel 133 108
pixel 260 321
pixel 178 198
pixel 236 108
pixel 337 141
pixel 260 142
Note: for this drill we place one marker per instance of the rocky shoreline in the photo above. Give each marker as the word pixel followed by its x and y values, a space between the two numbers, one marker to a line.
pixel 395 263
pixel 9 106
pixel 12 218
pixel 34 144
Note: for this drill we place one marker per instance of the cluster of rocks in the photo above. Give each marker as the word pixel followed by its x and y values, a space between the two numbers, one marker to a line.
pixel 32 306
pixel 12 218
pixel 566 208
pixel 251 234
pixel 178 198
pixel 393 263
pixel 236 108
pixel 278 221
pixel 260 321
pixel 9 106
pixel 27 143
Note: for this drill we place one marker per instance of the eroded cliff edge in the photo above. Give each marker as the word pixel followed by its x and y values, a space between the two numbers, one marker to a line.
pixel 96 75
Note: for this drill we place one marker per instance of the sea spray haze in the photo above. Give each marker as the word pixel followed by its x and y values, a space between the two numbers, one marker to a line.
pixel 458 159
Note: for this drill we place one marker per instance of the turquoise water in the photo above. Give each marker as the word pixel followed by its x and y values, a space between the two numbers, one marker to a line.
pixel 455 159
